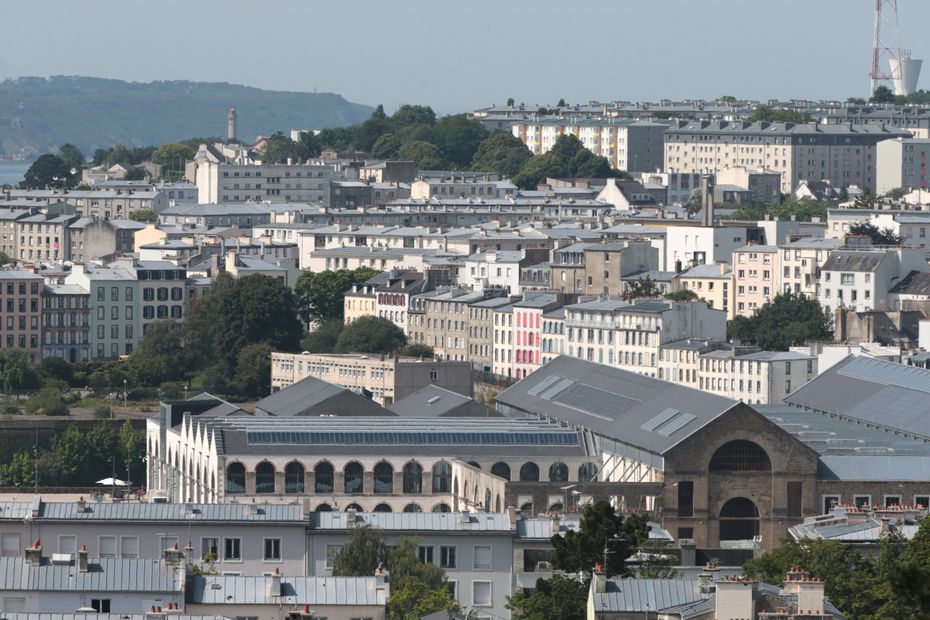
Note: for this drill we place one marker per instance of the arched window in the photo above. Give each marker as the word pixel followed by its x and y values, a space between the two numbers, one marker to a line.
pixel 587 472
pixel 354 507
pixel 558 472
pixel 502 470
pixel 487 500
pixel 529 472
pixel 474 464
pixel 739 520
pixel 412 508
pixel 442 508
pixel 442 477
pixel 384 478
pixel 740 455
pixel 557 507
pixel 264 478
pixel 527 508
pixel 324 508
pixel 323 478
pixel 235 478
pixel 413 478
pixel 497 504
pixel 383 508
pixel 294 477
pixel 354 478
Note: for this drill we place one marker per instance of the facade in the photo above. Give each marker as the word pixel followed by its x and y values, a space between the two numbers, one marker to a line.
pixel 755 273
pixel 598 268
pixel 712 283
pixel 161 288
pixel 761 185
pixel 753 376
pixel 102 239
pixel 114 308
pixel 219 182
pixel 842 154
pixel 861 279
pixel 800 263
pixel 103 204
pixel 474 186
pixel 386 380
pixel 499 269
pixel 440 319
pixel 553 334
pixel 629 335
pixel 687 246
pixel 393 296
pixel 901 163
pixel 481 331
pixel 528 321
pixel 44 237
pixel 22 312
pixel 502 365
pixel 66 323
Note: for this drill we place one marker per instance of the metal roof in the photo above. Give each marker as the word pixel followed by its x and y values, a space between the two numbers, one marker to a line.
pixel 645 595
pixel 877 468
pixel 220 513
pixel 614 403
pixel 489 522
pixel 307 393
pixel 7 615
pixel 103 575
pixel 433 401
pixel 850 260
pixel 231 590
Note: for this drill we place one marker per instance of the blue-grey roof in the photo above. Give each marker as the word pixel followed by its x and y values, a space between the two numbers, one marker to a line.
pixel 139 512
pixel 103 575
pixel 433 401
pixel 874 391
pixel 877 468
pixel 448 522
pixel 543 528
pixel 46 615
pixel 644 595
pixel 231 590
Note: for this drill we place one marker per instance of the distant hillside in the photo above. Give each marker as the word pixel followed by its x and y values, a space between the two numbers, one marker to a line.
pixel 38 114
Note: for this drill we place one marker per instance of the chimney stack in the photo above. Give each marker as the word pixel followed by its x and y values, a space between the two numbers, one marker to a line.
pixel 274 587
pixel 82 559
pixel 600 579
pixel 81 505
pixel 33 554
pixel 734 598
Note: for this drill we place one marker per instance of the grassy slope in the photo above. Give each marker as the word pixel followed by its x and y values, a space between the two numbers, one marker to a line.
pixel 37 114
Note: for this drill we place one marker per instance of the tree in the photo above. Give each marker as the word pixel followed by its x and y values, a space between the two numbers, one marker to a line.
pixel 160 355
pixel 323 339
pixel 253 370
pixel 5 259
pixel 538 169
pixel 416 349
pixel 16 371
pixel 787 320
pixel 425 155
pixel 458 139
pixel 320 295
pixel 370 334
pixel 413 115
pixel 55 368
pixel 279 149
pixel 603 533
pixel 885 236
pixel 72 156
pixel 503 153
pixel 387 147
pixel 561 104
pixel 509 102
pixel 764 112
pixel 727 99
pixel 416 600
pixel 48 171
pixel 641 288
pixel 136 174
pixel 173 157
pixel 47 401
pixel 363 552
pixel 882 94
pixel 559 597
pixel 144 215
pixel 684 294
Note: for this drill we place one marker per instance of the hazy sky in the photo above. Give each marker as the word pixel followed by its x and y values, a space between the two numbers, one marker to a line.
pixel 459 55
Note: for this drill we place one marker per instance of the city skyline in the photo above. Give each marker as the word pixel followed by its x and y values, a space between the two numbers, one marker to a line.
pixel 595 50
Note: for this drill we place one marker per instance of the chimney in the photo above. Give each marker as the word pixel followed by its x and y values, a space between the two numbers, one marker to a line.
pixel 82 559
pixel 33 554
pixel 555 522
pixel 274 586
pixel 808 590
pixel 706 578
pixel 381 575
pixel 81 505
pixel 600 579
pixel 173 555
pixel 734 599
pixel 305 614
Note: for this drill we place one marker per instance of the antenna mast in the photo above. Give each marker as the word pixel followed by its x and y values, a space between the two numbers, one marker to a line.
pixel 886 46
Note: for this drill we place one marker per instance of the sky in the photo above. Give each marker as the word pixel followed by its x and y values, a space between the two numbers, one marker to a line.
pixel 456 56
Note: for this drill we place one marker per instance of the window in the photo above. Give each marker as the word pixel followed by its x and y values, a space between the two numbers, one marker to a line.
pixel 922 501
pixel 862 501
pixel 501 469
pixel 235 478
pixel 829 502
pixel 685 532
pixel 67 544
pixel 323 474
pixel 353 475
pixel 892 500
pixel 482 557
pixel 481 593
pixel 685 498
pixel 294 478
pixel 447 556
pixel 108 546
pixel 740 455
pixel 413 478
pixel 10 545
pixel 529 472
pixel 209 546
pixel 232 549
pixel 272 549
pixel 331 552
pixel 384 478
pixel 100 604
pixel 795 495
pixel 129 546
pixel 558 472
pixel 442 478
pixel 425 554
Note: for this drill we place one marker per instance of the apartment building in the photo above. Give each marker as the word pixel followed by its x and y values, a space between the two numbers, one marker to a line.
pixel 392 297
pixel 842 154
pixel 8 232
pixel 553 334
pixel 628 335
pixel 599 268
pixel 635 146
pixel 761 185
pixel 440 319
pixel 680 361
pixel 755 278
pixel 499 269
pixel 386 379
pixel 528 330
pixel 66 323
pixel 712 283
pixel 459 186
pixel 901 163
pixel 21 322
pixel 114 308
pixel 103 204
pixel 687 246
pixel 219 182
pixel 481 331
pixel 800 263
pixel 362 299
pixel 162 290
pixel 861 279
pixel 45 237
pixel 754 376
pixel 92 238
pixel 502 364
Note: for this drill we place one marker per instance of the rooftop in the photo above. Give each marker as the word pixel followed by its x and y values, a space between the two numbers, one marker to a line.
pixel 253 590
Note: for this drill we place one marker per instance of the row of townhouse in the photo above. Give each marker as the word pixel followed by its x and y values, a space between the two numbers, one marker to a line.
pixel 104 204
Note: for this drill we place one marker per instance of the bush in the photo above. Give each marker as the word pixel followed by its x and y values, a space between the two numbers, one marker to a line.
pixel 101 412
pixel 47 401
pixel 10 406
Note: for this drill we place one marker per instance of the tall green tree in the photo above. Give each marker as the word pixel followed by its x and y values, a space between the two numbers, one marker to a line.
pixel 885 236
pixel 425 155
pixel 882 94
pixel 16 371
pixel 160 356
pixel 789 319
pixel 539 168
pixel 72 156
pixel 320 294
pixel 603 533
pixel 323 339
pixel 253 370
pixel 370 334
pixel 459 138
pixel 502 152
pixel 144 215
pixel 49 171
pixel 559 597
pixel 363 552
pixel 173 157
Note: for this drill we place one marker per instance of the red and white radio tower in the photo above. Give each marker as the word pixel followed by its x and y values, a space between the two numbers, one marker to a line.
pixel 892 66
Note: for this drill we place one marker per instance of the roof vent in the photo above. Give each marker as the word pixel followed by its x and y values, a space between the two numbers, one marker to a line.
pixel 434 399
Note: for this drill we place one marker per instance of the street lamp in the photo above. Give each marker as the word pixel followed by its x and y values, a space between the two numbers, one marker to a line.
pixel 125 389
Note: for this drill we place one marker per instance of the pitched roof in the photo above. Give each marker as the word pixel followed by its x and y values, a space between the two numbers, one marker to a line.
pixel 249 590
pixel 311 392
pixel 433 401
pixel 103 575
pixel 846 260
pixel 414 521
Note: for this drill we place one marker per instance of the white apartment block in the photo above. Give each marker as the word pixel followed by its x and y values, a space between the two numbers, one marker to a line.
pixel 219 182
pixel 754 377
pixel 841 154
pixel 688 246
pixel 628 335
pixel 861 279
pixel 901 163
pixel 635 146
pixel 492 269
pixel 553 335
pixel 453 186
pixel 755 273
pixel 502 364
pixel 800 263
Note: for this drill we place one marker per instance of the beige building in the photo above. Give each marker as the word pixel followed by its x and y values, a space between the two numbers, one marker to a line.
pixel 841 154
pixel 712 283
pixel 755 277
pixel 754 376
pixel 503 341
pixel 385 379
pixel 481 331
pixel 800 263
pixel 453 186
pixel 440 319
pixel 359 301
pixel 598 268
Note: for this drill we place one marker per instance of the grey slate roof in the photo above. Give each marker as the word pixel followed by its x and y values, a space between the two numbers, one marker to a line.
pixel 433 401
pixel 643 595
pixel 103 575
pixel 303 395
pixel 877 392
pixel 845 260
pixel 231 590
pixel 876 468
pixel 147 512
pixel 914 283
pixel 633 409
pixel 450 522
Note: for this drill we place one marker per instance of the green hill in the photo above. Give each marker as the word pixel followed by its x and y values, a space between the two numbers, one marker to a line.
pixel 38 114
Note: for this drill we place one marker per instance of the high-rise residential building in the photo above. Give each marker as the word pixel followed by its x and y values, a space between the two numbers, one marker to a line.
pixel 901 163
pixel 114 308
pixel 66 323
pixel 21 312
